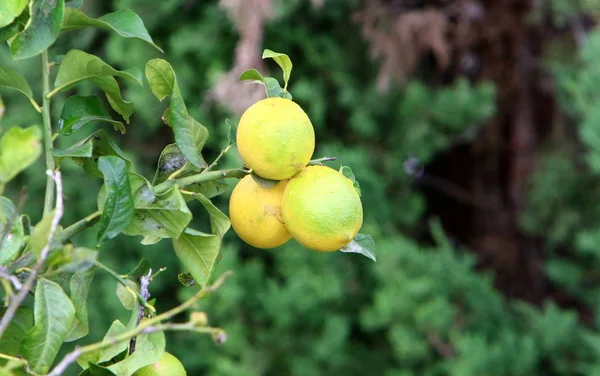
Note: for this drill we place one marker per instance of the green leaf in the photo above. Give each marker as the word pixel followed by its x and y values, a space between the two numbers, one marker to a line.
pixel 10 10
pixel 9 31
pixel 347 172
pixel 149 349
pixel 19 149
pixel 199 251
pixel 11 231
pixel 79 150
pixel 73 4
pixel 80 287
pixel 111 89
pixel 117 211
pixel 150 240
pixel 124 22
pixel 272 87
pixel 190 135
pixel 283 61
pixel 96 370
pixel 69 259
pixel 104 355
pixel 163 215
pixel 265 183
pixel 231 132
pixel 80 110
pixel 41 30
pixel 12 338
pixel 140 270
pixel 41 234
pixel 128 299
pixel 102 145
pixel 11 79
pixel 362 244
pixel 53 315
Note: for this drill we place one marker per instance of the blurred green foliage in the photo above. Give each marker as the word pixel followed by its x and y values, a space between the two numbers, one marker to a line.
pixel 422 309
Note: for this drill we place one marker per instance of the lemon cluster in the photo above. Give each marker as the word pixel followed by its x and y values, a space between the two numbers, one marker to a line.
pixel 316 205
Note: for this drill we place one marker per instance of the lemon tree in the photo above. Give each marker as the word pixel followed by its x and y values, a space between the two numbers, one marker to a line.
pixel 255 213
pixel 275 139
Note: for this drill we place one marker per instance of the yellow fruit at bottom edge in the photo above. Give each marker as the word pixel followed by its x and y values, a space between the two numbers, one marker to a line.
pixel 168 365
pixel 321 209
pixel 275 138
pixel 255 213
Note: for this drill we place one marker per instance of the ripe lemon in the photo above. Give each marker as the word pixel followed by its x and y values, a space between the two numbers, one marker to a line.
pixel 321 209
pixel 275 138
pixel 255 213
pixel 168 365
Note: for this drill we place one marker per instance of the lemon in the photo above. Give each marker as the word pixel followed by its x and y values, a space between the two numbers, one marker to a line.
pixel 275 138
pixel 255 213
pixel 168 365
pixel 321 209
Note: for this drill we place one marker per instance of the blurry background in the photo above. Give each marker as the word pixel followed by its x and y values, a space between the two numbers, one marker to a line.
pixel 473 128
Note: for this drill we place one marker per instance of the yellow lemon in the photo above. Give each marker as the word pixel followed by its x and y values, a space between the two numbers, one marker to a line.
pixel 275 138
pixel 255 213
pixel 168 365
pixel 321 209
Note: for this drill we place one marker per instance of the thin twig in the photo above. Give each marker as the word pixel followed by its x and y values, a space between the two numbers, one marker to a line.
pixel 147 326
pixel 16 302
pixel 212 165
pixel 144 284
pixel 4 274
pixel 321 160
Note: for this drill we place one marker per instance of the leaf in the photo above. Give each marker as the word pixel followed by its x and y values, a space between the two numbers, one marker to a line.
pixel 78 66
pixel 11 231
pixel 111 89
pixel 199 251
pixel 11 79
pixel 53 315
pixel 104 355
pixel 79 150
pixel 41 234
pixel 80 287
pixel 362 244
pixel 96 370
pixel 117 212
pixel 128 299
pixel 80 110
pixel 12 338
pixel 19 149
pixel 186 279
pixel 272 87
pixel 231 132
pixel 69 259
pixel 9 31
pixel 251 75
pixel 73 4
pixel 150 240
pixel 347 172
pixel 124 22
pixel 149 349
pixel 41 31
pixel 163 215
pixel 140 270
pixel 11 9
pixel 102 145
pixel 283 61
pixel 265 183
pixel 190 135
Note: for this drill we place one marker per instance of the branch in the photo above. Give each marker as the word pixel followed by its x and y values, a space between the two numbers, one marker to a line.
pixel 321 160
pixel 77 227
pixel 200 178
pixel 212 165
pixel 148 326
pixel 144 284
pixel 49 198
pixel 16 302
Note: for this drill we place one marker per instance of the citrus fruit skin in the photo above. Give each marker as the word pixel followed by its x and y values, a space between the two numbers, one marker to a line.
pixel 255 213
pixel 321 209
pixel 275 138
pixel 168 365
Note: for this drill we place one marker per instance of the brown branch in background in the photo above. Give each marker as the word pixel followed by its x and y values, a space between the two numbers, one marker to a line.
pixel 248 17
pixel 444 349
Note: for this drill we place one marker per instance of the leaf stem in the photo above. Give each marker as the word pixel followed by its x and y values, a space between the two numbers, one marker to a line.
pixel 212 165
pixel 321 160
pixel 199 178
pixel 119 279
pixel 147 326
pixel 49 198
